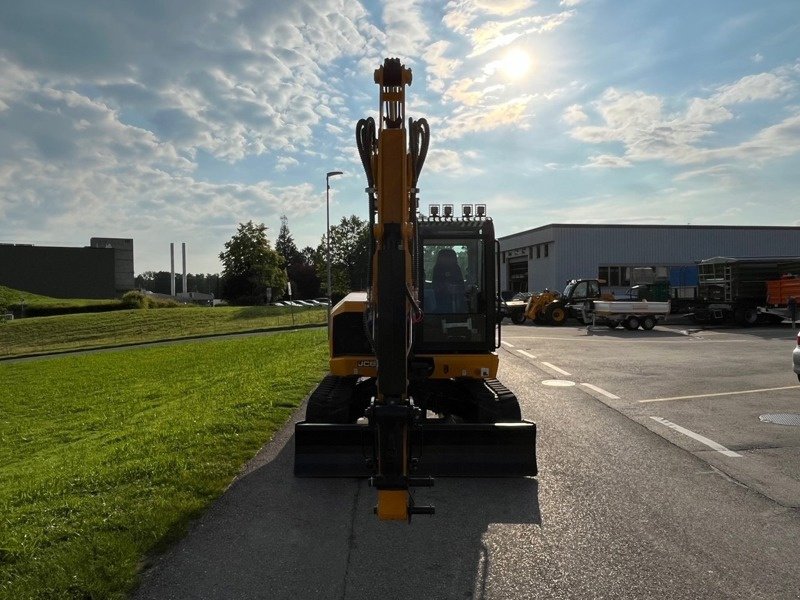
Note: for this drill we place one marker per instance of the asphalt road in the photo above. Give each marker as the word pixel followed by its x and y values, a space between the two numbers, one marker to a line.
pixel 624 506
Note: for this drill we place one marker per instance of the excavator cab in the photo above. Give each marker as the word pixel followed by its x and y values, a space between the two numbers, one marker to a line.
pixel 458 287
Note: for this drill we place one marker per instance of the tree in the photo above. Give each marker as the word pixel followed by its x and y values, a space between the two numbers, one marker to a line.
pixel 312 256
pixel 349 256
pixel 285 245
pixel 251 269
pixel 302 272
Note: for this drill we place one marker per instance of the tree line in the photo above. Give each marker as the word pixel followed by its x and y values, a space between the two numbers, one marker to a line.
pixel 255 273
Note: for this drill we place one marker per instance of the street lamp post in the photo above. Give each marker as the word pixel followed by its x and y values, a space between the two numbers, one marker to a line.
pixel 328 236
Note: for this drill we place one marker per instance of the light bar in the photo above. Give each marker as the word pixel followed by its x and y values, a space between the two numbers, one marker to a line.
pixel 466 210
pixel 433 209
pixel 448 210
pixel 480 210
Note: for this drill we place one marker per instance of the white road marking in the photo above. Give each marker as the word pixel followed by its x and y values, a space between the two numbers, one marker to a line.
pixel 528 354
pixel 600 391
pixel 679 339
pixel 558 382
pixel 505 343
pixel 555 368
pixel 696 436
pixel 775 389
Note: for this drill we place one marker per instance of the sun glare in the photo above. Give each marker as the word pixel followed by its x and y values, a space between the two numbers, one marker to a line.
pixel 515 64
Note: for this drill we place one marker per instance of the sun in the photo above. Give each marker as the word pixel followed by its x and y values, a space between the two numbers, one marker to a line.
pixel 515 63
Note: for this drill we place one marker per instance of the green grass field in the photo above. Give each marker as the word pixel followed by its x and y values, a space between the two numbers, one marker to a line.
pixel 106 457
pixel 65 332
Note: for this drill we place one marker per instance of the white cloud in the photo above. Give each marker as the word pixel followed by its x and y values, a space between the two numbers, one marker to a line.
pixel 238 71
pixel 570 3
pixel 764 86
pixel 757 57
pixel 497 34
pixel 511 113
pixel 104 114
pixel 406 31
pixel 608 161
pixel 574 114
pixel 440 69
pixel 451 163
pixel 640 123
pixel 284 162
pixel 488 25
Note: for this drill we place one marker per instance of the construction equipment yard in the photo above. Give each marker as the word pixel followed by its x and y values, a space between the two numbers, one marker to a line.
pixel 657 479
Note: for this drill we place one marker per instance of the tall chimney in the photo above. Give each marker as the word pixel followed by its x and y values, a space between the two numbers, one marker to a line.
pixel 183 249
pixel 172 269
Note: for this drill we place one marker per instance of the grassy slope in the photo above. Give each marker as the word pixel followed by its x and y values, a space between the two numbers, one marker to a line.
pixel 47 334
pixel 11 297
pixel 104 457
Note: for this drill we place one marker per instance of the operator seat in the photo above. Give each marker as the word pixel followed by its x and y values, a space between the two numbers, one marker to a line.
pixel 448 283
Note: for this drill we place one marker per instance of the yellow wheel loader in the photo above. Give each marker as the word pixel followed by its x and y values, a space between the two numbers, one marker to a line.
pixel 536 309
pixel 412 391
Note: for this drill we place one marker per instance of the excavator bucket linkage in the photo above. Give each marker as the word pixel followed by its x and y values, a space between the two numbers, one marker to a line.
pixel 439 449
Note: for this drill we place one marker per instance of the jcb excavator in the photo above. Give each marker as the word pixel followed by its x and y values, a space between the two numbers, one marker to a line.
pixel 412 391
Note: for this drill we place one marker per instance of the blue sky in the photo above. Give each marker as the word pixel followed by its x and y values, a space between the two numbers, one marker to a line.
pixel 172 121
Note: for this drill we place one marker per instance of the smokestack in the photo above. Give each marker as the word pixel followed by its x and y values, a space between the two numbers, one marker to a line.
pixel 172 269
pixel 183 250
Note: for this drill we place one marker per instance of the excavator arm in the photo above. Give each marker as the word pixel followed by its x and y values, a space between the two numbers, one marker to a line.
pixel 392 297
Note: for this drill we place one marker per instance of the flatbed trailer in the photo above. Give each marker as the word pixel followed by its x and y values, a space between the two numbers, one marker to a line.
pixel 628 313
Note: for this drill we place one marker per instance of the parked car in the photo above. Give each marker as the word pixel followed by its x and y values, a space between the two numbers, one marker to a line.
pixel 796 358
pixel 279 303
pixel 323 301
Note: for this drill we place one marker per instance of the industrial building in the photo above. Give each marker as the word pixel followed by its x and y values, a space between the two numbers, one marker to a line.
pixel 549 256
pixel 104 269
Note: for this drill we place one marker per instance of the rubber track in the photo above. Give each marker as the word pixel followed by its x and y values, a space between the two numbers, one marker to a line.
pixel 331 401
pixel 494 402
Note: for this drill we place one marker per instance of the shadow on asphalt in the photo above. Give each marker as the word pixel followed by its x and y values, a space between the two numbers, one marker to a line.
pixel 275 536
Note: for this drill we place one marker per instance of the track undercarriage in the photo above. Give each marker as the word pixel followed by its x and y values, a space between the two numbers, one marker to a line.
pixel 459 427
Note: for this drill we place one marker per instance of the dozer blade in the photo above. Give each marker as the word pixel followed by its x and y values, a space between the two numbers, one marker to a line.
pixel 442 449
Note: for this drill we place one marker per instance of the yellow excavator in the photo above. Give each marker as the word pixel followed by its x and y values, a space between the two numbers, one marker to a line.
pixel 412 392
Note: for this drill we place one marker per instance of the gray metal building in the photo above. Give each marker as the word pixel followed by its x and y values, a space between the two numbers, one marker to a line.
pixel 102 270
pixel 549 256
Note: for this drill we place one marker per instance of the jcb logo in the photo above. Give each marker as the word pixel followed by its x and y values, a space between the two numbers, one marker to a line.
pixel 368 363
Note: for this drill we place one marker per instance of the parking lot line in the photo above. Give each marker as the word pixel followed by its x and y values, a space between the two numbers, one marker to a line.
pixel 528 354
pixel 700 438
pixel 555 368
pixel 505 343
pixel 600 390
pixel 775 389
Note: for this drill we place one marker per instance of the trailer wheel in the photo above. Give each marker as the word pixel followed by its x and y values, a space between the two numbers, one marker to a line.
pixel 631 323
pixel 612 324
pixel 648 323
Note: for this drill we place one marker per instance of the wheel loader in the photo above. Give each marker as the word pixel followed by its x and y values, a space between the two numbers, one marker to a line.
pixel 412 392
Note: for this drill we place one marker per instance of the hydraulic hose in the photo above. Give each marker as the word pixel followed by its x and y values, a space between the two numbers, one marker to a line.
pixel 420 136
pixel 365 141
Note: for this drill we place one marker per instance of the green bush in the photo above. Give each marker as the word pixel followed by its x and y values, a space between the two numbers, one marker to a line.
pixel 137 299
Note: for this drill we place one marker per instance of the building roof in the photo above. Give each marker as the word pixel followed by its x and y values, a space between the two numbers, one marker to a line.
pixel 648 226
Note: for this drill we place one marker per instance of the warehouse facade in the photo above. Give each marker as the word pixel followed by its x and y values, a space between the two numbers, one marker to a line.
pixel 104 269
pixel 549 256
